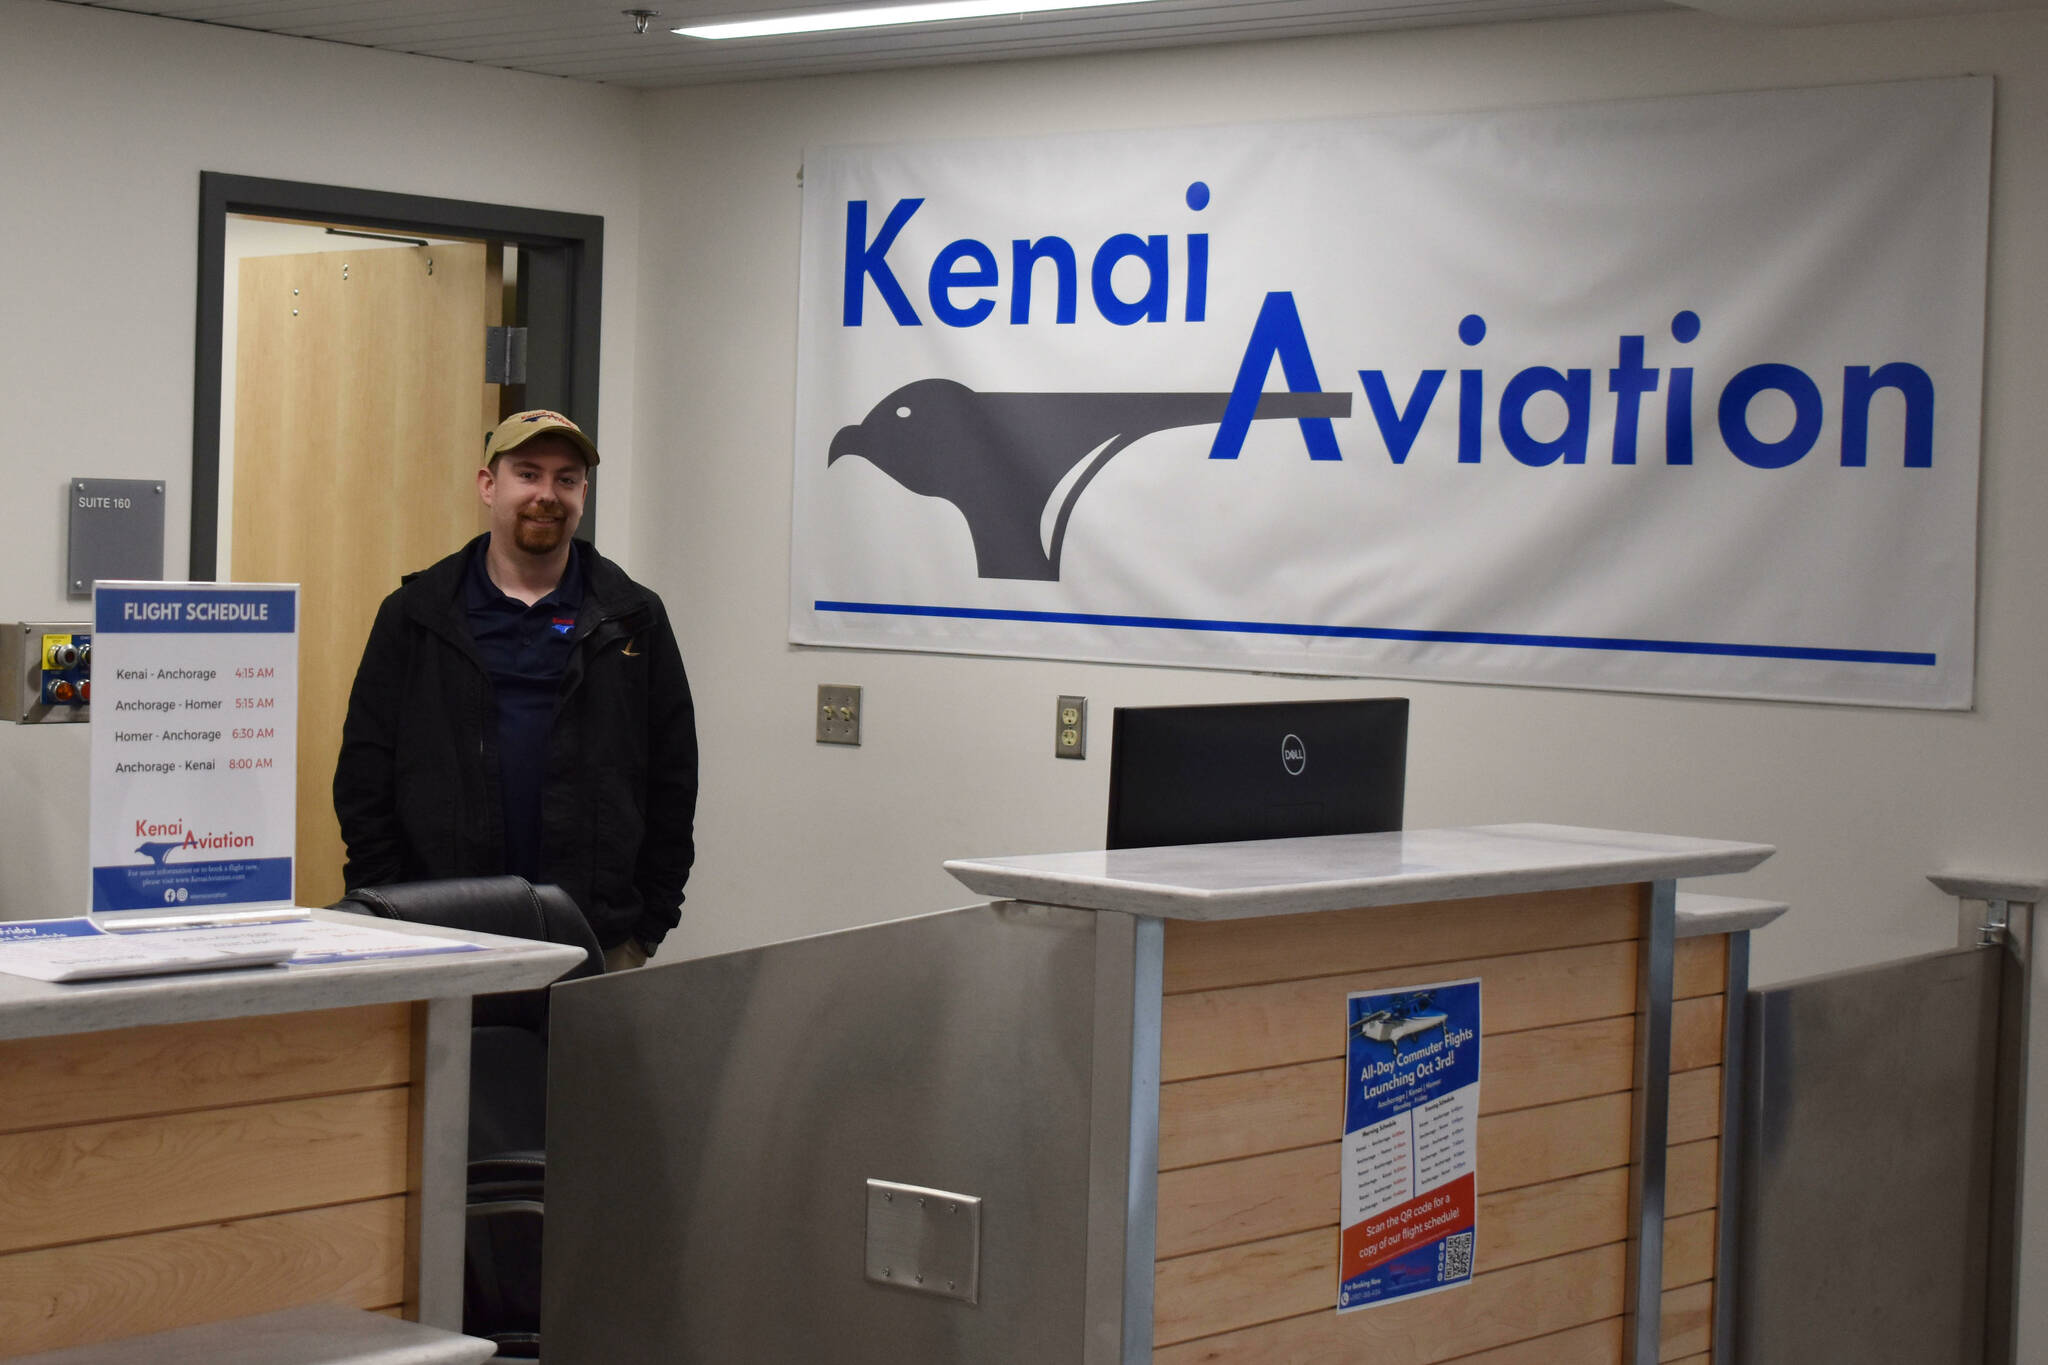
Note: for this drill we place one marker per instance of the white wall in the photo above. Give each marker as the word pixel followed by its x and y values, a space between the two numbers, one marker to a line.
pixel 795 837
pixel 106 121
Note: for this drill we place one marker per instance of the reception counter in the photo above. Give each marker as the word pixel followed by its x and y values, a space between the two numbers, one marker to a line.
pixel 1120 1086
pixel 181 1150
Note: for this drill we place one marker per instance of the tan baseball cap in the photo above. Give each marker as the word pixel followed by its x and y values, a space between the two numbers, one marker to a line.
pixel 521 427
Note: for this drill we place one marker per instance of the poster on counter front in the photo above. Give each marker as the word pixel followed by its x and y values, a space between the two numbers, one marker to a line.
pixel 194 746
pixel 1411 1134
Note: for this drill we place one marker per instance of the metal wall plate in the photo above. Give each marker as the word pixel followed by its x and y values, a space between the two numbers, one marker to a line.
pixel 838 713
pixel 924 1240
pixel 116 531
pixel 1070 728
pixel 26 695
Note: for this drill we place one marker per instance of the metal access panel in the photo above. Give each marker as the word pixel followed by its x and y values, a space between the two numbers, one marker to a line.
pixel 755 1157
pixel 45 671
pixel 1872 1137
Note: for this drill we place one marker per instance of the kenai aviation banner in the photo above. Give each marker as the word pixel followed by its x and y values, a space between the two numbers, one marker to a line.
pixel 1674 395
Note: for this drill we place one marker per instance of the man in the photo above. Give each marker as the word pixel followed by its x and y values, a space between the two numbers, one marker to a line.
pixel 521 707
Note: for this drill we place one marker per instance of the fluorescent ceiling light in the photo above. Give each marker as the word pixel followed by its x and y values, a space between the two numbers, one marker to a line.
pixel 885 16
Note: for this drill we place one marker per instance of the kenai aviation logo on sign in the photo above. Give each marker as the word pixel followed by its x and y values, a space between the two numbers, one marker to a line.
pixel 1000 457
pixel 1584 397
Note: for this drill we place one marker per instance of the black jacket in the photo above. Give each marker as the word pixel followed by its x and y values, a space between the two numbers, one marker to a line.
pixel 416 786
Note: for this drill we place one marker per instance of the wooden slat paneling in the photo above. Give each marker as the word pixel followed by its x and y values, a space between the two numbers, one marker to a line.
pixel 1699 966
pixel 1688 1249
pixel 1692 1177
pixel 1251 1107
pixel 1217 1118
pixel 1207 1033
pixel 1507 1306
pixel 1696 1033
pixel 1530 1146
pixel 1597 1343
pixel 1688 1321
pixel 1204 1207
pixel 98 1291
pixel 1695 1105
pixel 1205 955
pixel 1209 1207
pixel 95 1077
pixel 1531 1222
pixel 1235 1286
pixel 1545 1066
pixel 60 1185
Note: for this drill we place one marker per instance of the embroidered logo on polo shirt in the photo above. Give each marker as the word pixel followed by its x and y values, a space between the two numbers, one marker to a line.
pixel 562 625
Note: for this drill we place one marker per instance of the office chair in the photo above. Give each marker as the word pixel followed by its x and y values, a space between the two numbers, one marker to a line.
pixel 508 1086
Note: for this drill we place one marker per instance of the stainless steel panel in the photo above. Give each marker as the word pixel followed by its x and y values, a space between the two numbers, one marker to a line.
pixel 713 1124
pixel 1643 1299
pixel 1867 1164
pixel 924 1240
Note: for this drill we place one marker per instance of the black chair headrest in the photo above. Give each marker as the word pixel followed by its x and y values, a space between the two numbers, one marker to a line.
pixel 511 906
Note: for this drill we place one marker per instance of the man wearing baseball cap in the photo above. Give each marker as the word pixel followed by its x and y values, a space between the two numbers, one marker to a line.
pixel 521 707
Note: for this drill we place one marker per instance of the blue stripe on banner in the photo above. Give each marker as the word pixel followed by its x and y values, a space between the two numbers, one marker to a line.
pixel 189 611
pixel 1450 637
pixel 240 881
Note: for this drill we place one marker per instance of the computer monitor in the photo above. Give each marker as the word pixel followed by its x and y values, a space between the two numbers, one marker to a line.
pixel 1260 770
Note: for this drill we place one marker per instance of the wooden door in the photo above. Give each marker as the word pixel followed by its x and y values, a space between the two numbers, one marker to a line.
pixel 360 413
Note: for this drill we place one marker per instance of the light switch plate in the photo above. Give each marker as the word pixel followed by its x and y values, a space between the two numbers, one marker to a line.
pixel 838 714
pixel 924 1240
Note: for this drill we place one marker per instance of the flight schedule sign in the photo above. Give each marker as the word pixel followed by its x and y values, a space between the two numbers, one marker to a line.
pixel 194 746
pixel 1411 1137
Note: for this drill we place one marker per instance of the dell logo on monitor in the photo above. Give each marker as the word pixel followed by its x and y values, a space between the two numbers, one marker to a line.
pixel 1293 755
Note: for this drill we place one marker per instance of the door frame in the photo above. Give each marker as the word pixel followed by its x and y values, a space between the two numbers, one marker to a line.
pixel 561 297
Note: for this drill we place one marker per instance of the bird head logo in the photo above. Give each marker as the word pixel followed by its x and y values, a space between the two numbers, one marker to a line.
pixel 1000 458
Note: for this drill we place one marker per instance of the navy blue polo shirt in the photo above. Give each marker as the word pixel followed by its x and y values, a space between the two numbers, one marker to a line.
pixel 525 651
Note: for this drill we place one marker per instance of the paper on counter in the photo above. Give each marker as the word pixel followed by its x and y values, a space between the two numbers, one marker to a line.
pixel 77 950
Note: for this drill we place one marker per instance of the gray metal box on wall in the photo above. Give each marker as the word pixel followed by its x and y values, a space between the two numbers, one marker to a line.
pixel 117 531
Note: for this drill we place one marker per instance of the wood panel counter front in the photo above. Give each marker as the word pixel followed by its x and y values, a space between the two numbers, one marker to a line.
pixel 1571 934
pixel 186 1149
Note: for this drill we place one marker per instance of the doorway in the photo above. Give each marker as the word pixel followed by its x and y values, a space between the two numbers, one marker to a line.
pixel 360 398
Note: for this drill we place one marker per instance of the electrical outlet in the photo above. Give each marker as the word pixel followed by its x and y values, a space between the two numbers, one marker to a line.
pixel 838 714
pixel 1070 728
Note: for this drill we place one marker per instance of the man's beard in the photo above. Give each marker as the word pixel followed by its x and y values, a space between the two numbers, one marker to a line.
pixel 537 537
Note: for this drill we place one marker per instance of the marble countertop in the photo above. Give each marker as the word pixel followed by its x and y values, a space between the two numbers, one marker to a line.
pixel 1333 872
pixel 37 1009
pixel 319 1334
pixel 1699 915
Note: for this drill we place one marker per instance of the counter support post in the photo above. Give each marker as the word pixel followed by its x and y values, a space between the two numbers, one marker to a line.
pixel 439 1142
pixel 1123 1177
pixel 1642 1303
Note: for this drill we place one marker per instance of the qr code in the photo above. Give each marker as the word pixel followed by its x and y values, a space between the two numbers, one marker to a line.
pixel 1457 1256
